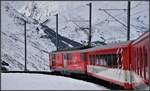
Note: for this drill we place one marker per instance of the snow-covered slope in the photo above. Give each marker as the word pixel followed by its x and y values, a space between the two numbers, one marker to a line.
pixel 13 42
pixel 73 21
pixel 23 81
pixel 74 15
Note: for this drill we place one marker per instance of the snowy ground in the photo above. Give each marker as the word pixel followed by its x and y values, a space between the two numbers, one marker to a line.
pixel 22 81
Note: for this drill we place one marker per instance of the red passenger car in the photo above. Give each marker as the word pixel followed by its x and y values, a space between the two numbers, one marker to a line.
pixel 140 60
pixel 68 61
pixel 110 63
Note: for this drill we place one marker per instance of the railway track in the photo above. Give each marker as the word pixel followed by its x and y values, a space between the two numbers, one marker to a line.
pixel 74 76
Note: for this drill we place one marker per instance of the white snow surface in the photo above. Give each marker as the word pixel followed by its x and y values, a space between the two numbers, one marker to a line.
pixel 22 81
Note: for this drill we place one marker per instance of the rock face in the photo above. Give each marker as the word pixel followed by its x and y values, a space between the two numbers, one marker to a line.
pixel 73 28
pixel 4 66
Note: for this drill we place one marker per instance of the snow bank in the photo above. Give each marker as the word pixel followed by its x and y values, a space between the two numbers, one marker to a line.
pixel 22 81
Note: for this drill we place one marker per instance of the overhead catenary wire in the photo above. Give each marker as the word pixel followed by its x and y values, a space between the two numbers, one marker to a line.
pixel 105 10
pixel 113 17
pixel 126 10
pixel 136 5
pixel 125 26
pixel 114 9
pixel 79 20
pixel 72 22
pixel 87 20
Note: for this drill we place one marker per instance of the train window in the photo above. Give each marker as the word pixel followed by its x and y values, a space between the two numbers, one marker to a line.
pixel 145 62
pixel 92 59
pixel 145 56
pixel 108 59
pixel 137 60
pixel 67 56
pixel 141 61
pixel 83 56
pixel 109 62
pixel 97 59
pixel 115 59
pixel 105 60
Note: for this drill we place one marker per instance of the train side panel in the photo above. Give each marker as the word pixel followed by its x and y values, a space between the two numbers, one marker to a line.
pixel 124 64
pixel 76 63
pixel 111 64
pixel 140 61
pixel 68 62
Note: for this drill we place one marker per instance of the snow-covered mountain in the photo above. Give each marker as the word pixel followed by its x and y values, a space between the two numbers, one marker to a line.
pixel 73 24
pixel 73 18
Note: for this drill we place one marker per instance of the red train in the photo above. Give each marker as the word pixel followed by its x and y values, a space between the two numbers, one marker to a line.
pixel 125 64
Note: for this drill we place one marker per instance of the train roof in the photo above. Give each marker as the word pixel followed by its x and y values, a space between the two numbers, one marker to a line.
pixel 111 45
pixel 141 37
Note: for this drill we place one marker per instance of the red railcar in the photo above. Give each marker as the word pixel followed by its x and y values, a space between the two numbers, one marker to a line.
pixel 140 60
pixel 110 63
pixel 68 61
pixel 125 64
